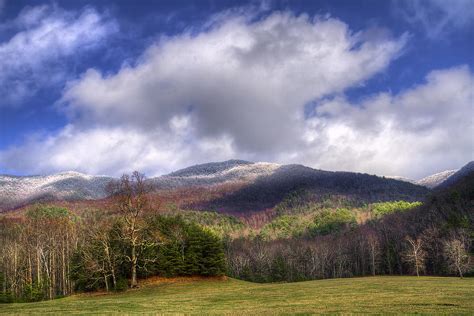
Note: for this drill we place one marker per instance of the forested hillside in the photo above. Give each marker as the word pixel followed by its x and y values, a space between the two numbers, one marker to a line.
pixel 434 238
pixel 267 191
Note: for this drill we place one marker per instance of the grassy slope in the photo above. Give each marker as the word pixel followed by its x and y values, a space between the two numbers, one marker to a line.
pixel 371 294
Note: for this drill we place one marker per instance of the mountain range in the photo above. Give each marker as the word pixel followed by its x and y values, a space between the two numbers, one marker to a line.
pixel 257 185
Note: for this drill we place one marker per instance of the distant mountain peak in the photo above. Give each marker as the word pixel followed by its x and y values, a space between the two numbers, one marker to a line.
pixel 435 179
pixel 464 171
pixel 69 185
pixel 209 168
pixel 445 178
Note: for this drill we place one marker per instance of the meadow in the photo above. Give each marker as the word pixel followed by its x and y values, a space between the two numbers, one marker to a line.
pixel 385 294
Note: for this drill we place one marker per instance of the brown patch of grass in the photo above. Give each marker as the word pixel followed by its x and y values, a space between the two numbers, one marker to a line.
pixel 154 280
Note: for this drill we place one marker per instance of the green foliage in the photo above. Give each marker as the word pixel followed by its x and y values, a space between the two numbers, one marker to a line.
pixel 303 213
pixel 34 292
pixel 122 285
pixel 285 226
pixel 40 211
pixel 186 248
pixel 458 221
pixel 384 208
pixel 305 202
pixel 84 279
pixel 329 221
pixel 219 224
pixel 319 222
pixel 6 297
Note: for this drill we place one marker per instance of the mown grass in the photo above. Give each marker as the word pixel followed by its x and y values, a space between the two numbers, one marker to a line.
pixel 427 295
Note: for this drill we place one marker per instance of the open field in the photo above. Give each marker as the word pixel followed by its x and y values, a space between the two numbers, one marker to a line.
pixel 369 295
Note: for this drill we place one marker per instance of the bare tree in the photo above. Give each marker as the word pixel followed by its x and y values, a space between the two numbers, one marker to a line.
pixel 131 198
pixel 130 194
pixel 457 255
pixel 415 254
pixel 374 250
pixel 97 251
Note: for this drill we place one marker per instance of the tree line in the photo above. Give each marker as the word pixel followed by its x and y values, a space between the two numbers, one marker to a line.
pixel 361 252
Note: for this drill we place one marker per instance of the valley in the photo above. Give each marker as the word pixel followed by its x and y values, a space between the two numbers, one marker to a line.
pixel 243 157
pixel 254 222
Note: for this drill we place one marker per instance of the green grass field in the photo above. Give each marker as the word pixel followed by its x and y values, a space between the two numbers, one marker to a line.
pixel 426 295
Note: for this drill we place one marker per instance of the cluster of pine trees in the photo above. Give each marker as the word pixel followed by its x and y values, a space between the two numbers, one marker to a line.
pixel 169 246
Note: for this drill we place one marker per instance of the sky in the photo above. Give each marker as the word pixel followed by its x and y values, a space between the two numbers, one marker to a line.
pixel 108 87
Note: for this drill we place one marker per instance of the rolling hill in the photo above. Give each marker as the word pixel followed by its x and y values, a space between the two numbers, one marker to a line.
pixel 215 173
pixel 17 191
pixel 267 191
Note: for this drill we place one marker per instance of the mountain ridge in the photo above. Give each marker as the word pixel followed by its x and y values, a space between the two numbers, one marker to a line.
pixel 72 185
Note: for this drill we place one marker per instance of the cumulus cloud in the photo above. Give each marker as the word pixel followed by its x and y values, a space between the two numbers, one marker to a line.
pixel 417 132
pixel 34 57
pixel 437 17
pixel 239 89
pixel 113 151
pixel 245 80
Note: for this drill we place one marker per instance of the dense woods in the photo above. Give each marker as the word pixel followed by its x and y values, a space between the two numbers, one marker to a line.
pixel 52 252
pixel 35 254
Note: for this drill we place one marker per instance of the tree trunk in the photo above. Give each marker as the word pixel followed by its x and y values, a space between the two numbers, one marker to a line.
pixel 38 267
pixel 459 268
pixel 134 267
pixel 106 282
pixel 111 266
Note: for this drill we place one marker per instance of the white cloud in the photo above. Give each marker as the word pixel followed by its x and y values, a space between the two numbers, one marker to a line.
pixel 417 132
pixel 239 90
pixel 245 80
pixel 33 57
pixel 113 151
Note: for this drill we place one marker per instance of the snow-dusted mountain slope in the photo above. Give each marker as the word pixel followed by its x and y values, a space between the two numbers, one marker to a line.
pixel 464 171
pixel 16 191
pixel 269 178
pixel 436 179
pixel 216 173
pixel 19 190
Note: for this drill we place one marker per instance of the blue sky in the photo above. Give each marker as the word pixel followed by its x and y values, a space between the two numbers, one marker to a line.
pixel 106 87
